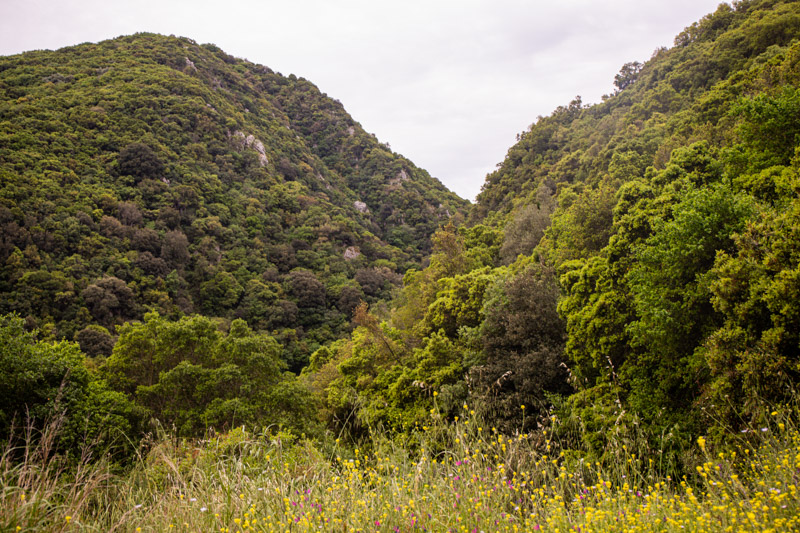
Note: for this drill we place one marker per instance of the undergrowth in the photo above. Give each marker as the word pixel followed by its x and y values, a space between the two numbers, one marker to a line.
pixel 464 477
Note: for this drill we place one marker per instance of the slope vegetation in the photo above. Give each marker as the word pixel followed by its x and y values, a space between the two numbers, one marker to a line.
pixel 632 265
pixel 152 173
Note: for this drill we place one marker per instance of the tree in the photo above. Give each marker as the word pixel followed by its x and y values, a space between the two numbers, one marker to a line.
pixel 627 75
pixel 448 257
pixel 669 284
pixel 459 303
pixel 524 232
pixel 220 293
pixel 523 347
pixel 769 127
pixel 371 280
pixel 258 304
pixel 110 300
pixel 190 375
pixel 349 299
pixel 95 341
pixel 582 224
pixel 129 214
pixel 754 355
pixel 306 289
pixel 140 161
pixel 41 382
pixel 146 240
pixel 175 250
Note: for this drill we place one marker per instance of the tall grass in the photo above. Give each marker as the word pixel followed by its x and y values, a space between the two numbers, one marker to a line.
pixel 464 477
pixel 41 489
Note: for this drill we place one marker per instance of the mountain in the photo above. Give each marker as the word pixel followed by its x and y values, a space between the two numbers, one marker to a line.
pixel 153 173
pixel 631 266
pixel 672 223
pixel 628 282
pixel 676 98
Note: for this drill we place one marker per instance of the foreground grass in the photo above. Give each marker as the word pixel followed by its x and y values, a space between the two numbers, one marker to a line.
pixel 464 478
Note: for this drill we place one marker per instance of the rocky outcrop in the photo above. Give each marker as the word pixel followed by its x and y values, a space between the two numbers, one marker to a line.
pixel 250 141
pixel 351 253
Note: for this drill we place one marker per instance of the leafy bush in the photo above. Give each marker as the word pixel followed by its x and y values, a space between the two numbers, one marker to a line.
pixel 190 376
pixel 41 382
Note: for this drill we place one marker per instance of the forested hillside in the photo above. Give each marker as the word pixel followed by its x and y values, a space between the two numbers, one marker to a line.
pixel 630 265
pixel 225 306
pixel 229 249
pixel 150 173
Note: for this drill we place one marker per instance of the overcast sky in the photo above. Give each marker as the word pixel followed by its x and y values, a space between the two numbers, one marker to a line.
pixel 446 83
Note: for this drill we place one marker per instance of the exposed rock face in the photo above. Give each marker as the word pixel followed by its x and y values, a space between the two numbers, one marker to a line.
pixel 361 206
pixel 250 141
pixel 351 253
pixel 400 178
pixel 258 146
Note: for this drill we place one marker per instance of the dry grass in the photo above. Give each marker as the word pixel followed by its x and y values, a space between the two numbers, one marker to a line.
pixel 479 481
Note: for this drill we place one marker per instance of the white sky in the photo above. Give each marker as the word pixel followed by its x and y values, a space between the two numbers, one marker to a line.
pixel 447 83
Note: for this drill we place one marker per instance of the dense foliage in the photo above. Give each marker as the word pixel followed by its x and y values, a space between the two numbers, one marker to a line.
pixel 43 382
pixel 632 262
pixel 191 376
pixel 630 267
pixel 153 173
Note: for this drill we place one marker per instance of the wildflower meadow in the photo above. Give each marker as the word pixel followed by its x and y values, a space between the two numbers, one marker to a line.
pixel 460 476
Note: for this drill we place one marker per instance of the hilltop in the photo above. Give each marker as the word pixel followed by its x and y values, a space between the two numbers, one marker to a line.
pixel 154 173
